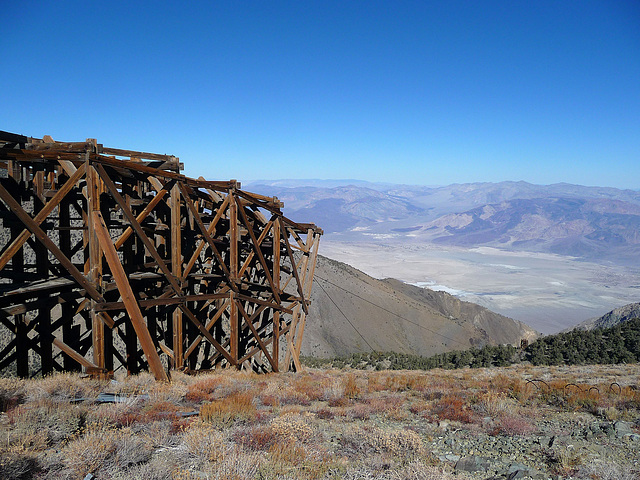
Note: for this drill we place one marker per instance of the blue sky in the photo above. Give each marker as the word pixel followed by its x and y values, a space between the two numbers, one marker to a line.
pixel 405 92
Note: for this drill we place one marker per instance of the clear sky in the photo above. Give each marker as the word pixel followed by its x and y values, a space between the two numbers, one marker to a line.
pixel 413 92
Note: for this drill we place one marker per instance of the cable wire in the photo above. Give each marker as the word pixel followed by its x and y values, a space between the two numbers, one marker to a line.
pixel 345 317
pixel 386 310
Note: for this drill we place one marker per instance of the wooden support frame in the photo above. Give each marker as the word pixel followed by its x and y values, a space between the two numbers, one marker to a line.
pixel 137 266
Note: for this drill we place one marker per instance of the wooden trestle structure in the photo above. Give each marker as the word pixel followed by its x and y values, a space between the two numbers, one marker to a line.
pixel 112 259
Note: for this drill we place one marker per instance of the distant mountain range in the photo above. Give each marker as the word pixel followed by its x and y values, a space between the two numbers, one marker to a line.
pixel 352 312
pixel 599 223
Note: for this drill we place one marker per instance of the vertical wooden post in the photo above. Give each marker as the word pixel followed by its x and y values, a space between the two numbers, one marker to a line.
pixel 176 263
pixel 95 262
pixel 313 242
pixel 234 334
pixel 233 236
pixel 22 346
pixel 234 341
pixel 64 221
pixel 276 282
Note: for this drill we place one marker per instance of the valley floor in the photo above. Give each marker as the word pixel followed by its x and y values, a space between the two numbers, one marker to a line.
pixel 498 423
pixel 547 292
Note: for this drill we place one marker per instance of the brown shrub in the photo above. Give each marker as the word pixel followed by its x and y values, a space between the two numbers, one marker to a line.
pixel 92 451
pixel 202 389
pixel 287 452
pixel 236 407
pixel 453 407
pixel 311 387
pixel 513 425
pixel 12 393
pixel 259 438
pixel 350 387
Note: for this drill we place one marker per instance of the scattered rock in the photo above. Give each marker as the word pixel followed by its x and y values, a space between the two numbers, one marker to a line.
pixel 622 428
pixel 472 464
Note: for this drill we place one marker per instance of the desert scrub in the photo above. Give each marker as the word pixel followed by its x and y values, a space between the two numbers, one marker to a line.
pixel 291 427
pixel 91 451
pixel 36 425
pixel 12 391
pixel 237 407
pixel 367 440
pixel 204 443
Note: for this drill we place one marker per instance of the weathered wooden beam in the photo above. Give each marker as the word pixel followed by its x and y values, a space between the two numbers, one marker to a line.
pixel 189 314
pixel 285 237
pixel 176 264
pixel 73 354
pixel 41 216
pixel 209 326
pixel 205 234
pixel 142 215
pixel 120 277
pixel 258 250
pixel 138 229
pixel 210 230
pixel 249 322
pixel 48 243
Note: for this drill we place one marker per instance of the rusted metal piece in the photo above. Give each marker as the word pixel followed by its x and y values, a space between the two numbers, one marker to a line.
pixel 112 259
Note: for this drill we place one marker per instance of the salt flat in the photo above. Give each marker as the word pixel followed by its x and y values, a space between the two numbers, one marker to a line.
pixel 548 292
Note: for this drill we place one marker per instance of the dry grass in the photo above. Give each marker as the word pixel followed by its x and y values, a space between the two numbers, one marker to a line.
pixel 313 425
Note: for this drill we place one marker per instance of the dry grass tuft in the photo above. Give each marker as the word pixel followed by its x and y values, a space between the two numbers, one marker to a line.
pixel 237 407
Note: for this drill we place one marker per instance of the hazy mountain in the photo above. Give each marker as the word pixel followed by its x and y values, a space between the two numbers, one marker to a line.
pixel 613 318
pixel 353 312
pixel 591 222
pixel 581 227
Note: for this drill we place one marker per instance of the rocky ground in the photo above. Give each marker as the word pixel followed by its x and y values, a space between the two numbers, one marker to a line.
pixel 510 423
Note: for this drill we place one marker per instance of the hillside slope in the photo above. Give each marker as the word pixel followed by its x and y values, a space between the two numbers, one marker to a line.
pixel 353 312
pixel 612 318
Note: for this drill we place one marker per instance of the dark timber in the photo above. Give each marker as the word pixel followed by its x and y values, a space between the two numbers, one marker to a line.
pixel 112 259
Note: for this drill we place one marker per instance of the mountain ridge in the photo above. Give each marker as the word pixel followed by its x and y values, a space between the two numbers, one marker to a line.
pixel 596 223
pixel 610 319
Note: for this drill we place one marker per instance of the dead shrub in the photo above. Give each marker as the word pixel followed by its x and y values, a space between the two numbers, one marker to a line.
pixel 513 425
pixel 237 407
pixel 287 452
pixel 12 392
pixel 369 440
pixel 312 387
pixel 63 387
pixel 131 450
pixel 159 411
pixel 293 397
pixel 202 389
pixel 360 411
pixel 325 414
pixel 49 422
pixel 350 387
pixel 496 404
